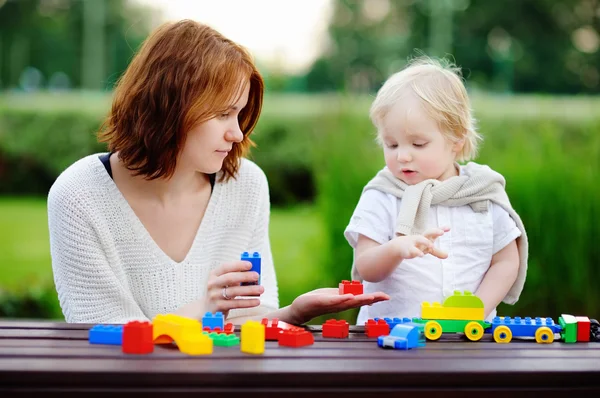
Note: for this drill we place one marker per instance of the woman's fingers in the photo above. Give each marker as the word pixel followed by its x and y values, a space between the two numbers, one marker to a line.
pixel 237 291
pixel 236 266
pixel 238 303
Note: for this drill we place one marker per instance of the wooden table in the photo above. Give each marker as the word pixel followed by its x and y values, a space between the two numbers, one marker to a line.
pixel 44 357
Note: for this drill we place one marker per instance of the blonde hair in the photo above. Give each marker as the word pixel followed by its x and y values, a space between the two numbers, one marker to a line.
pixel 444 97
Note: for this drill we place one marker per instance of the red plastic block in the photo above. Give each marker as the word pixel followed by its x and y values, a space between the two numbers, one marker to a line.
pixel 229 328
pixel 352 287
pixel 272 330
pixel 137 338
pixel 296 337
pixel 377 328
pixel 583 328
pixel 336 329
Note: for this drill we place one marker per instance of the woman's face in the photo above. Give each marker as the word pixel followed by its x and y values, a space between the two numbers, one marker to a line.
pixel 209 143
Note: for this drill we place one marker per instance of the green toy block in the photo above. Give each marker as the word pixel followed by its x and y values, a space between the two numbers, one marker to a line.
pixel 453 326
pixel 224 340
pixel 568 323
pixel 463 300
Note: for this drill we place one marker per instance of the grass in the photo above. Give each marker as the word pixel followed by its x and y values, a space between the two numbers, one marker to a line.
pixel 24 243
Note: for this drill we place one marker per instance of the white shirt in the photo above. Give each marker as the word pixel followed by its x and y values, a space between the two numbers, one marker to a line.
pixel 108 269
pixel 471 242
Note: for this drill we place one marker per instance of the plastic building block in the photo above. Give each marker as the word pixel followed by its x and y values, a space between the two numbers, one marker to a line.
pixel 137 338
pixel 212 321
pixel 395 321
pixel 505 328
pixel 459 306
pixel 106 334
pixel 351 287
pixel 224 340
pixel 272 329
pixel 377 328
pixel 569 328
pixel 296 337
pixel 186 332
pixel 255 260
pixel 473 330
pixel 403 336
pixel 333 328
pixel 253 338
pixel 583 328
pixel 594 330
pixel 229 328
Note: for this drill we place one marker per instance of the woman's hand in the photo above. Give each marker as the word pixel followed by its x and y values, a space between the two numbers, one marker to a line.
pixel 328 300
pixel 224 285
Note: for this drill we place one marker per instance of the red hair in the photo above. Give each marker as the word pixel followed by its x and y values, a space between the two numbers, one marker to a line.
pixel 184 74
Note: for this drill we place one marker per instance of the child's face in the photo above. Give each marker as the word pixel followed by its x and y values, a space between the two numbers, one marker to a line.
pixel 413 145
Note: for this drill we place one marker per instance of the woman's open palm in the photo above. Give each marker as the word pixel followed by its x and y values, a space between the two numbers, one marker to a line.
pixel 328 300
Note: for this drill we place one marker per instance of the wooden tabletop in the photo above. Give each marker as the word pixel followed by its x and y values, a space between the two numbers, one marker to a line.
pixel 45 357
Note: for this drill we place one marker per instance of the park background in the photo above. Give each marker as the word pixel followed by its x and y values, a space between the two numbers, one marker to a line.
pixel 532 68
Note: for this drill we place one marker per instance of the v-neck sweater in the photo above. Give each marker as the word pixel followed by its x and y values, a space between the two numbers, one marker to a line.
pixel 108 269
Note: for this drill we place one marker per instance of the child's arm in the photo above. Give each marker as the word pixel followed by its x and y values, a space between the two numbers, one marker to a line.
pixel 375 262
pixel 499 278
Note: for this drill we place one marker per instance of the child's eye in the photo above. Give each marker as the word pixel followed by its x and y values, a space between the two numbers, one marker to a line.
pixel 391 146
pixel 224 115
pixel 419 145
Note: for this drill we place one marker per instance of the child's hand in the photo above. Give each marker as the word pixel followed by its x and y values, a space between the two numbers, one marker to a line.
pixel 418 245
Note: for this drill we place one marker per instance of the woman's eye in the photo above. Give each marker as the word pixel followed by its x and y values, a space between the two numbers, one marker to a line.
pixel 224 115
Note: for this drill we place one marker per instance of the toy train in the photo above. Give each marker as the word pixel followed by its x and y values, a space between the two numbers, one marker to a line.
pixel 464 313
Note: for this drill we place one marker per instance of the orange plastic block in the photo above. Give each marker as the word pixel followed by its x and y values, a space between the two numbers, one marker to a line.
pixel 137 338
pixel 351 287
pixel 296 337
pixel 336 329
pixel 583 328
pixel 377 328
pixel 272 329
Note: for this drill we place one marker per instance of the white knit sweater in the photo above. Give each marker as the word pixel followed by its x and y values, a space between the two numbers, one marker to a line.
pixel 108 269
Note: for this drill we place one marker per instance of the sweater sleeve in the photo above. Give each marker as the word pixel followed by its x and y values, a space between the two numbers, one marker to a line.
pixel 90 289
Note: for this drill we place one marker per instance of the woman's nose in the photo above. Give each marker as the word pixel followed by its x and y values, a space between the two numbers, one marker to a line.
pixel 234 134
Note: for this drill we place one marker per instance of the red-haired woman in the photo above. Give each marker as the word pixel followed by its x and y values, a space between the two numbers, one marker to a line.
pixel 158 223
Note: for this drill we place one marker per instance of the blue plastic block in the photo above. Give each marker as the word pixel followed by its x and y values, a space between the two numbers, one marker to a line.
pixel 525 327
pixel 106 334
pixel 256 261
pixel 395 321
pixel 216 320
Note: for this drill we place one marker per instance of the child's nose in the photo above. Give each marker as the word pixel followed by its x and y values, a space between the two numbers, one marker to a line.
pixel 404 156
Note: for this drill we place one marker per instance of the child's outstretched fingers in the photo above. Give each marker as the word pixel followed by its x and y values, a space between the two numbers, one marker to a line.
pixel 438 253
pixel 434 233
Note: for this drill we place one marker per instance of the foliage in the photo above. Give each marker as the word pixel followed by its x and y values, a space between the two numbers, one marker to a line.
pixel 556 51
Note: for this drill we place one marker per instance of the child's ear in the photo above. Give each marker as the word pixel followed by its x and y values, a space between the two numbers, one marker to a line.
pixel 458 145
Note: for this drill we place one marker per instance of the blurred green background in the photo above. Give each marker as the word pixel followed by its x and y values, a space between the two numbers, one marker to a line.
pixel 533 74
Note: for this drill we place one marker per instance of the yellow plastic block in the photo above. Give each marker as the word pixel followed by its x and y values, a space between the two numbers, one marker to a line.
pixel 253 338
pixel 437 311
pixel 195 344
pixel 186 332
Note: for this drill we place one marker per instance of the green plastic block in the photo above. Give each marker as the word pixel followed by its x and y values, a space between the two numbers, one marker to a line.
pixel 224 340
pixel 463 300
pixel 453 326
pixel 568 323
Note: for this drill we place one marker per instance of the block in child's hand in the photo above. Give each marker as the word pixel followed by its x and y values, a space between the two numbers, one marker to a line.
pixel 254 259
